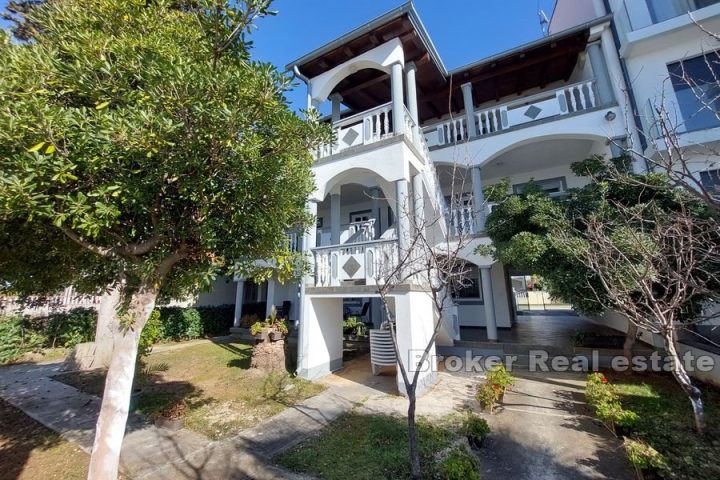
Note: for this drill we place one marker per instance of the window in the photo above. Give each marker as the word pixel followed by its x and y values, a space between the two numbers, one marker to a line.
pixel 661 10
pixel 471 288
pixel 696 82
pixel 551 186
pixel 710 180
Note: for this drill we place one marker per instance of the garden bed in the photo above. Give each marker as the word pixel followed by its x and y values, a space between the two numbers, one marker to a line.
pixel 222 394
pixel 665 423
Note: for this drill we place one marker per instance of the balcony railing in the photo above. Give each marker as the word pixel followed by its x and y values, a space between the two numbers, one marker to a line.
pixel 360 129
pixel 637 14
pixel 363 263
pixel 572 98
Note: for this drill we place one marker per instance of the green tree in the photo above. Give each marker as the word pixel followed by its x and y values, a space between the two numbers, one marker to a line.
pixel 145 134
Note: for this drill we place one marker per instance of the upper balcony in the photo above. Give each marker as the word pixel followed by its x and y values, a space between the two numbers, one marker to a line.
pixel 497 119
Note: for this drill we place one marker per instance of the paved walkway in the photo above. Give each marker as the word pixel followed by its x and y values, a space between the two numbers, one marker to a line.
pixel 151 452
pixel 543 430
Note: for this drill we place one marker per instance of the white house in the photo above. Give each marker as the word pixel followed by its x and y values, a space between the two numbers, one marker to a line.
pixel 412 133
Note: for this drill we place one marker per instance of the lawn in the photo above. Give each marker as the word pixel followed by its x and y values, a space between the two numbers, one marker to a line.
pixel 666 423
pixel 221 393
pixel 372 447
pixel 29 451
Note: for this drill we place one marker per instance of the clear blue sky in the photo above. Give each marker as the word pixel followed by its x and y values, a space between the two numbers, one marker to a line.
pixel 462 30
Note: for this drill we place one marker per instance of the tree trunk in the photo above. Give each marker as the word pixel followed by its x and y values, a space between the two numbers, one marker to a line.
pixel 630 339
pixel 415 469
pixel 110 428
pixel 105 329
pixel 685 382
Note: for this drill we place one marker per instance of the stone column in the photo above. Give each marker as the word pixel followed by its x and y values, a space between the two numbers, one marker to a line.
pixel 335 98
pixel 489 303
pixel 402 209
pixel 375 206
pixel 479 207
pixel 469 109
pixel 410 71
pixel 602 77
pixel 239 290
pixel 398 105
pixel 335 218
pixel 418 202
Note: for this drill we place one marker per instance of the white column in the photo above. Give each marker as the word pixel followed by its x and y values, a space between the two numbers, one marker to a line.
pixel 602 77
pixel 270 297
pixel 398 105
pixel 375 206
pixel 414 323
pixel 410 71
pixel 418 202
pixel 489 301
pixel 239 289
pixel 479 207
pixel 402 210
pixel 335 218
pixel 335 98
pixel 320 346
pixel 308 243
pixel 469 109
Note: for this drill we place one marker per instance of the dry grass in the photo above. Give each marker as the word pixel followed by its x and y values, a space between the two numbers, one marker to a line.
pixel 222 393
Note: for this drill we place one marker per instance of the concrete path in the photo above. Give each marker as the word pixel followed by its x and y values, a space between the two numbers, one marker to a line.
pixel 545 431
pixel 151 452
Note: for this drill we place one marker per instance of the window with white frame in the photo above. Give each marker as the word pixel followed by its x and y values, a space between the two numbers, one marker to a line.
pixel 551 186
pixel 696 82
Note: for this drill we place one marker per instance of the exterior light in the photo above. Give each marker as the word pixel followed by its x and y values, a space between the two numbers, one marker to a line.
pixel 610 116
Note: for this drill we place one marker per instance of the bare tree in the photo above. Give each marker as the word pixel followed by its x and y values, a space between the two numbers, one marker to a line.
pixel 433 262
pixel 654 266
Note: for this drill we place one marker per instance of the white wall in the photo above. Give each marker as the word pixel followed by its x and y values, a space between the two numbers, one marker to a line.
pixel 472 314
pixel 321 335
pixel 286 291
pixel 222 293
pixel 570 13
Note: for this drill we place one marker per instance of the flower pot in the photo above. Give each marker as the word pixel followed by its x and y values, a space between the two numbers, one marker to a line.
pixel 275 336
pixel 352 337
pixel 262 335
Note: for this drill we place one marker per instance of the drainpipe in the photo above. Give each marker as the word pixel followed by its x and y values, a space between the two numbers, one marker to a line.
pixel 628 85
pixel 305 79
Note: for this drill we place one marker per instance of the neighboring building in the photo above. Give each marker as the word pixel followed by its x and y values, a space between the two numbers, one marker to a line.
pixel 410 132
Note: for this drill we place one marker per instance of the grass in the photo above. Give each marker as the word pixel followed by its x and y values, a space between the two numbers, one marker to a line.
pixel 222 393
pixel 666 423
pixel 29 451
pixel 367 447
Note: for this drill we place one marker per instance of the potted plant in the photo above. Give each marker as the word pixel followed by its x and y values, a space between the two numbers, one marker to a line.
pixel 486 395
pixel 649 463
pixel 476 429
pixel 172 417
pixel 500 379
pixel 259 330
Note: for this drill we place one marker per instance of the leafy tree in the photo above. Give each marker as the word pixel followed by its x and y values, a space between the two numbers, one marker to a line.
pixel 635 244
pixel 144 133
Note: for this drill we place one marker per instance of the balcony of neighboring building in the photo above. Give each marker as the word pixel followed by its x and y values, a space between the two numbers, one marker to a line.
pixel 640 21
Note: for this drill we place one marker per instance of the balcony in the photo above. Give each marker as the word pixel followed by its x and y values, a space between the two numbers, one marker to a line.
pixel 364 128
pixel 361 263
pixel 563 101
pixel 636 14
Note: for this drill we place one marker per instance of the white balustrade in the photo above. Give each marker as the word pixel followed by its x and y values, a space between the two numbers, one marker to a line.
pixel 572 98
pixel 361 129
pixel 364 262
pixel 461 220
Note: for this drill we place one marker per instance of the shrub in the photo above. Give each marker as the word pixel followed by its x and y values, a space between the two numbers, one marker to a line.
pixel 498 375
pixel 603 397
pixel 487 395
pixel 67 329
pixel 645 457
pixel 150 335
pixel 459 464
pixel 217 320
pixel 180 323
pixel 16 339
pixel 475 426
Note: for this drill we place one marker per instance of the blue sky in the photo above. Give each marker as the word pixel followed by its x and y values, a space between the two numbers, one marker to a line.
pixel 462 30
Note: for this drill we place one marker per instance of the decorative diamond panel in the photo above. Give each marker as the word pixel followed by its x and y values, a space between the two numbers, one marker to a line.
pixel 350 137
pixel 351 267
pixel 532 112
